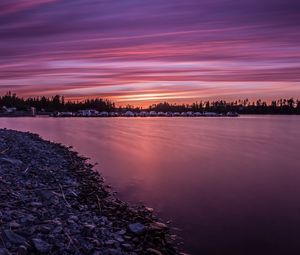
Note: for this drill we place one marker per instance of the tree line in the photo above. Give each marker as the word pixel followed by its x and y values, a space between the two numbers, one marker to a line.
pixel 58 104
pixel 281 106
pixel 55 104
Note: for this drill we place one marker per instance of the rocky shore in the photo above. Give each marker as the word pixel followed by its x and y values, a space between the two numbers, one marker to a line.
pixel 53 202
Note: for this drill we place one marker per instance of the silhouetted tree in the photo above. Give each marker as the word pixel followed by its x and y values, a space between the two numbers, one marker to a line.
pixel 58 103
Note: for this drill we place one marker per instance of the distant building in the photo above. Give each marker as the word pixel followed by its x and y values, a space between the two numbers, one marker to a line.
pixel 198 114
pixel 190 114
pixel 103 114
pixel 113 114
pixel 88 113
pixel 153 113
pixel 64 114
pixel 183 114
pixel 210 114
pixel 143 114
pixel 129 114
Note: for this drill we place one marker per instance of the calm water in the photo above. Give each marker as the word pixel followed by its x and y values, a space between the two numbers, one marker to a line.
pixel 232 185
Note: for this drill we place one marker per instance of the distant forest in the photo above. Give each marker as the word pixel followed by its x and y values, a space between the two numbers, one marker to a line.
pixel 57 104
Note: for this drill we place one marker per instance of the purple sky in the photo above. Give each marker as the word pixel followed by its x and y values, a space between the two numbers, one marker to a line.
pixel 141 52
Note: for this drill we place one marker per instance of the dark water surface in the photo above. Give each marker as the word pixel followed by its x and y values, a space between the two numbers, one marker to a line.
pixel 232 185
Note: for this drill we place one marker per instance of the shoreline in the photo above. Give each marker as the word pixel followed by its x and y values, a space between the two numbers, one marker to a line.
pixel 53 202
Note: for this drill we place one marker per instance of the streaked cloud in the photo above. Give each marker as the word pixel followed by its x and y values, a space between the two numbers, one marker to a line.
pixel 147 51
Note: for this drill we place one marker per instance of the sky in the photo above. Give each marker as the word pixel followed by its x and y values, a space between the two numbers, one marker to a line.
pixel 141 52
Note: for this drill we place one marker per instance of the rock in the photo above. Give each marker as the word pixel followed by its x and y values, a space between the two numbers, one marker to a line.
pixel 28 219
pixel 14 224
pixel 89 226
pixel 73 217
pixel 127 237
pixel 11 161
pixel 88 229
pixel 57 230
pixel 158 226
pixel 45 229
pixel 122 232
pixel 45 194
pixel 153 251
pixel 120 239
pixel 126 246
pixel 22 250
pixel 149 209
pixel 97 253
pixel 13 237
pixel 110 242
pixel 114 252
pixel 3 251
pixel 57 222
pixel 41 246
pixel 36 204
pixel 136 228
pixel 88 247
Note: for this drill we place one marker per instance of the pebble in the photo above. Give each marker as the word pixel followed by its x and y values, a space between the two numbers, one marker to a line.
pixel 136 228
pixel 22 250
pixel 126 246
pixel 110 242
pixel 153 251
pixel 27 219
pixel 41 246
pixel 11 161
pixel 3 251
pixel 14 224
pixel 45 229
pixel 158 226
pixel 149 209
pixel 120 239
pixel 36 204
pixel 122 232
pixel 13 237
pixel 57 230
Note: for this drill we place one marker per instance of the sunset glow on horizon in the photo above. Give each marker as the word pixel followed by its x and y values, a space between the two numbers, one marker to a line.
pixel 144 52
